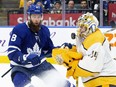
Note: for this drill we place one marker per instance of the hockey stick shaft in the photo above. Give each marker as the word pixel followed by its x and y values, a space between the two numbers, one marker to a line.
pixel 110 30
pixel 7 72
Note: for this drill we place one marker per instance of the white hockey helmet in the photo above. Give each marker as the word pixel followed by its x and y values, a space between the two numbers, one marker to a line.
pixel 87 24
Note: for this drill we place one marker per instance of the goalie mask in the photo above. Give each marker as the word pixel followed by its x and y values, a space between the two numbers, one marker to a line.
pixel 87 24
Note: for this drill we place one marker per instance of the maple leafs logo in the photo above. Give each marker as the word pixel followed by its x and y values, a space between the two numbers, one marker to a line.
pixel 35 49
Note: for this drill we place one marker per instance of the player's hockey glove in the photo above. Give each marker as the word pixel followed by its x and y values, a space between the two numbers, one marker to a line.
pixel 33 58
pixel 65 45
pixel 69 46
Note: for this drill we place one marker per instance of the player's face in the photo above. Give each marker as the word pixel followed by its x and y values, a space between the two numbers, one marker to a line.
pixel 36 19
pixel 83 31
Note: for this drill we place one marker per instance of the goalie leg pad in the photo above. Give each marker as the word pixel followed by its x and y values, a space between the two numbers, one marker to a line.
pixel 71 69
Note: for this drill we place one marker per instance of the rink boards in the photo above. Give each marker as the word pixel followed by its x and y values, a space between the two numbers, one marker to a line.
pixel 59 35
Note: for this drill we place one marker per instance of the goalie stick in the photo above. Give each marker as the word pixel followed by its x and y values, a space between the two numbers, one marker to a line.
pixel 48 55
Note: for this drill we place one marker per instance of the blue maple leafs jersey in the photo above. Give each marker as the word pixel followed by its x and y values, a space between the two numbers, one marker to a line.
pixel 23 41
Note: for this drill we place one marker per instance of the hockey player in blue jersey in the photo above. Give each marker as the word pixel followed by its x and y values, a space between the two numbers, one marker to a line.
pixel 29 43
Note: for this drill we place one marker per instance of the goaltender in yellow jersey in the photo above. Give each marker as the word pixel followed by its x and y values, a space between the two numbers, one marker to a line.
pixel 96 66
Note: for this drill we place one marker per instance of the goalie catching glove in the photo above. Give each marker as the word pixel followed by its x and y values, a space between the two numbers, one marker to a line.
pixel 67 57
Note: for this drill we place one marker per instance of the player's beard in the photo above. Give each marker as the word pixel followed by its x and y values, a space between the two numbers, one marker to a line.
pixel 33 27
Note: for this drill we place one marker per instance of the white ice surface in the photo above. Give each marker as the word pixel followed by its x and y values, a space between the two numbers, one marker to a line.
pixel 6 80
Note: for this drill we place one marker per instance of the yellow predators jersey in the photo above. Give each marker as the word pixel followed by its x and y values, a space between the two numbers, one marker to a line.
pixel 96 67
